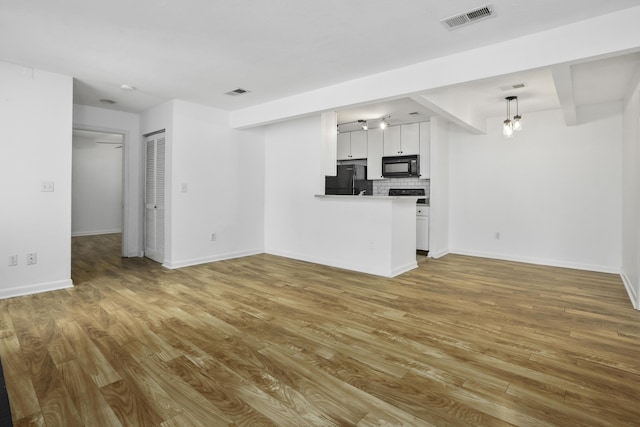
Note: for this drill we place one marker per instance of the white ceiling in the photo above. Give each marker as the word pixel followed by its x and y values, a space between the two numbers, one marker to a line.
pixel 197 50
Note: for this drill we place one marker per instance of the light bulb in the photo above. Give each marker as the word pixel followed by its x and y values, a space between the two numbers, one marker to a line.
pixel 383 124
pixel 507 129
pixel 517 125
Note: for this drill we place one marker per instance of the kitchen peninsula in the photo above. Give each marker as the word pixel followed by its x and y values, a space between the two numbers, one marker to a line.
pixel 371 234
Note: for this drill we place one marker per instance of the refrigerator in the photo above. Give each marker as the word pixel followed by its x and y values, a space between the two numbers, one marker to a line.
pixel 350 180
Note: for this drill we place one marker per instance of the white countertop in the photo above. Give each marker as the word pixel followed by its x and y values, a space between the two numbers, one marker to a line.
pixel 349 197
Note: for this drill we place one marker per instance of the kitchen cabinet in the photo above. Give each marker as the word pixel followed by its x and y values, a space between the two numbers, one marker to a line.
pixel 402 140
pixel 374 153
pixel 410 139
pixel 344 146
pixel 352 145
pixel 392 141
pixel 359 144
pixel 425 150
pixel 422 228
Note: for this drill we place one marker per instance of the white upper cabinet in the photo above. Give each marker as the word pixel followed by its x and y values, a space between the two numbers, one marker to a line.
pixel 344 146
pixel 352 145
pixel 410 139
pixel 403 140
pixel 359 144
pixel 425 150
pixel 392 141
pixel 374 159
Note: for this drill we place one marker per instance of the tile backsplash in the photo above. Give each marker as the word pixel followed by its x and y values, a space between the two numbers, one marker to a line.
pixel 381 186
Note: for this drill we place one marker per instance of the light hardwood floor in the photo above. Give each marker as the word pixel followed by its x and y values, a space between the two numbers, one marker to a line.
pixel 269 341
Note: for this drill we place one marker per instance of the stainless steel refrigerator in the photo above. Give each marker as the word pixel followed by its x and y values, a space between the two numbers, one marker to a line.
pixel 350 180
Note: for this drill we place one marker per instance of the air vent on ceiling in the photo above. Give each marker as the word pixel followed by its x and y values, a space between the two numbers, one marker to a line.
pixel 465 18
pixel 237 92
pixel 511 87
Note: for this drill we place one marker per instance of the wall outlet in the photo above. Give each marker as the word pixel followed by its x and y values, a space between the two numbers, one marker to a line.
pixel 47 186
pixel 13 260
pixel 32 258
pixel 214 237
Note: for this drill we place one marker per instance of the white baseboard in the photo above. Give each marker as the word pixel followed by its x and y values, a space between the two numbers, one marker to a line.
pixel 631 290
pixel 94 233
pixel 36 288
pixel 368 269
pixel 204 260
pixel 539 261
pixel 439 253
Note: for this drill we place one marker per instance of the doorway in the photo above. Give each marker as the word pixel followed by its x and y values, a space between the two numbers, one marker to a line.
pixel 97 184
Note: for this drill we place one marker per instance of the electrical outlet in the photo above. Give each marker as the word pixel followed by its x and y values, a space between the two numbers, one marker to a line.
pixel 13 260
pixel 32 258
pixel 214 237
pixel 497 235
pixel 47 186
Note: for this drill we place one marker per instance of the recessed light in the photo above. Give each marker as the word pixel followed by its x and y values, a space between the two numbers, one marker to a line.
pixel 107 101
pixel 127 87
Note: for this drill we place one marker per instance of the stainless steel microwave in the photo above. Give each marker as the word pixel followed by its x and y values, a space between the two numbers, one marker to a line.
pixel 401 166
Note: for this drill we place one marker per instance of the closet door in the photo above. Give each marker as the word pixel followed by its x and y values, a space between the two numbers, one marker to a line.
pixel 154 198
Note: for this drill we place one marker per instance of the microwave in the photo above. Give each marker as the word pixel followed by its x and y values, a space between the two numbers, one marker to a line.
pixel 401 166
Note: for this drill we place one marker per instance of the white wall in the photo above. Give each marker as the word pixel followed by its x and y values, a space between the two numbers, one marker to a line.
pixel 552 192
pixel 35 118
pixel 439 189
pixel 127 124
pixel 96 188
pixel 631 195
pixel 223 170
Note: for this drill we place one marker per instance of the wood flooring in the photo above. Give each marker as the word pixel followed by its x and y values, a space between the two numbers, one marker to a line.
pixel 269 341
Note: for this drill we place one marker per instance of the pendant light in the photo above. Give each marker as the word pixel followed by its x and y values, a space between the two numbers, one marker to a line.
pixel 517 124
pixel 509 126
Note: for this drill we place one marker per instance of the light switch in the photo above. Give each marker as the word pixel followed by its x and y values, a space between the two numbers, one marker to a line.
pixel 46 186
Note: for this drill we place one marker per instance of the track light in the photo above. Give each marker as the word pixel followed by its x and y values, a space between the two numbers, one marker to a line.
pixel 383 123
pixel 363 124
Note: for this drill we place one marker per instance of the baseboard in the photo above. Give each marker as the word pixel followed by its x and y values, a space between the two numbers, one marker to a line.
pixel 376 271
pixel 539 261
pixel 94 233
pixel 204 260
pixel 404 268
pixel 438 254
pixel 35 288
pixel 633 293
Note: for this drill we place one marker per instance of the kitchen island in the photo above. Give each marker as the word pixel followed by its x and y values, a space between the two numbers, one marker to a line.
pixel 371 234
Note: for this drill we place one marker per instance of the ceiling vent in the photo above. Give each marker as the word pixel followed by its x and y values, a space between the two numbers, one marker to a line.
pixel 512 87
pixel 465 18
pixel 237 92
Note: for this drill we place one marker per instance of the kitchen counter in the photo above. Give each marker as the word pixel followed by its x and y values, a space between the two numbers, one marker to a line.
pixel 349 197
pixel 371 234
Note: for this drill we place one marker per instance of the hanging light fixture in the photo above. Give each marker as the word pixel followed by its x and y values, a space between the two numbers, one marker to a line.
pixel 517 124
pixel 509 126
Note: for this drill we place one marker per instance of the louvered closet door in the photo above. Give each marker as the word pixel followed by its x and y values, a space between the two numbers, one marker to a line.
pixel 154 198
